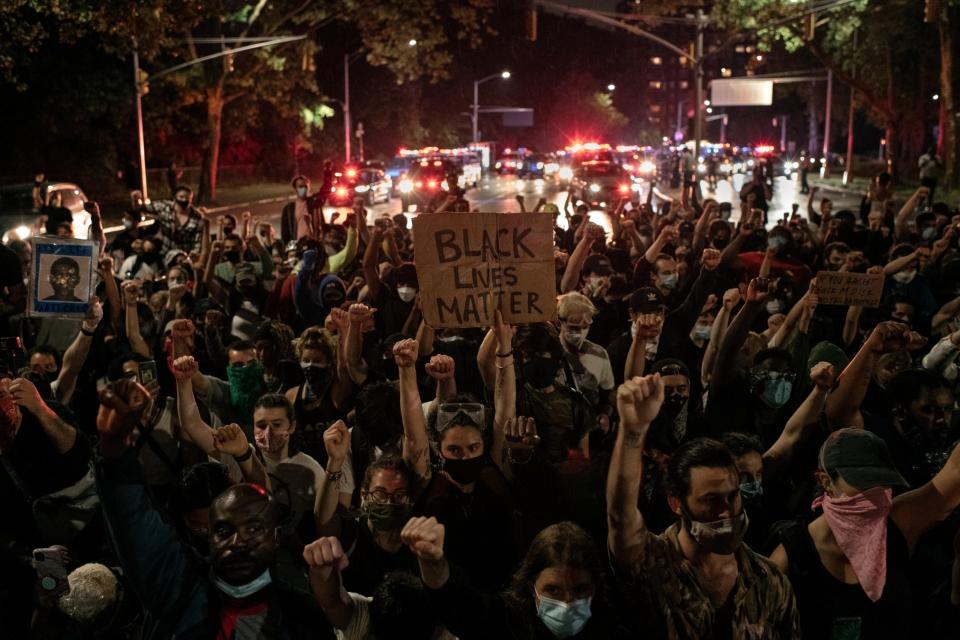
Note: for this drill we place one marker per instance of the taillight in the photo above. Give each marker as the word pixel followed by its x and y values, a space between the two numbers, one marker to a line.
pixel 432 184
pixel 624 188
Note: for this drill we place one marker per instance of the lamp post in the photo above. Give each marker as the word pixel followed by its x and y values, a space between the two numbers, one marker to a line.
pixel 505 75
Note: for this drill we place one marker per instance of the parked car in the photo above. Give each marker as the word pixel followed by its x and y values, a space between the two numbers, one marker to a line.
pixel 18 216
pixel 370 184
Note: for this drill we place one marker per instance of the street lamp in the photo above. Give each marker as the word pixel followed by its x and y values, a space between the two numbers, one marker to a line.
pixel 504 75
pixel 413 42
pixel 611 87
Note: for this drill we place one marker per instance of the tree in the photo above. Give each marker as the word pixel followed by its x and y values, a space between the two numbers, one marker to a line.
pixel 169 32
pixel 889 47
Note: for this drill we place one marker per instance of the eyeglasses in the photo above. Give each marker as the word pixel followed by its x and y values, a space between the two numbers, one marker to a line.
pixel 460 413
pixel 384 497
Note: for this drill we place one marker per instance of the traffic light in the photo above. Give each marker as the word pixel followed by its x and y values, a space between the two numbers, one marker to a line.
pixel 931 11
pixel 809 27
pixel 142 87
pixel 531 24
pixel 688 60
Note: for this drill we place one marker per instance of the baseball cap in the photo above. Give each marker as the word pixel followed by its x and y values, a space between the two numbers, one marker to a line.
pixel 647 300
pixel 670 367
pixel 597 264
pixel 861 458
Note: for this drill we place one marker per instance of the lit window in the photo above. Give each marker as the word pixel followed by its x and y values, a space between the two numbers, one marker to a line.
pixel 656 84
pixel 656 60
pixel 684 84
pixel 654 108
pixel 740 48
pixel 725 72
pixel 682 60
pixel 748 49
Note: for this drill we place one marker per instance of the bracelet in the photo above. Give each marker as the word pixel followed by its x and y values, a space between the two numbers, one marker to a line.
pixel 505 365
pixel 87 333
pixel 515 461
pixel 505 355
pixel 334 476
pixel 244 456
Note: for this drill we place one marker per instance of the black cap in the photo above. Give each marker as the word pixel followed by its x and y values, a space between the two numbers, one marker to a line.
pixel 861 458
pixel 647 300
pixel 598 264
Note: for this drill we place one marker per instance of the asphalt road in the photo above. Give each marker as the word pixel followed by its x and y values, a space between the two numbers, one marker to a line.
pixel 498 194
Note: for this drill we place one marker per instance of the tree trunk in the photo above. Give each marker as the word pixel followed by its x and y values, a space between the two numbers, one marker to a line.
pixel 813 124
pixel 892 148
pixel 948 124
pixel 211 152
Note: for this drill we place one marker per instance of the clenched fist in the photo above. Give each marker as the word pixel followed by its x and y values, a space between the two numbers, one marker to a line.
pixel 230 439
pixel 405 353
pixel 324 555
pixel 441 367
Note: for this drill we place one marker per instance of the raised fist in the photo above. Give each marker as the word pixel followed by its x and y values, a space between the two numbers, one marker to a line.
pixel 122 404
pixel 710 259
pixel 230 439
pixel 336 440
pixel 324 555
pixel 823 375
pixel 182 329
pixel 521 433
pixel 731 298
pixel 185 367
pixel 758 290
pixel 131 292
pixel 441 367
pixel 649 326
pixel 639 401
pixel 405 353
pixel 424 536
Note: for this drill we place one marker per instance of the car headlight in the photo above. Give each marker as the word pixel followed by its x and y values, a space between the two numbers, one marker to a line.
pixel 539 165
pixel 636 186
pixel 406 185
pixel 445 186
pixel 647 167
pixel 595 188
pixel 361 188
pixel 749 163
pixel 497 166
pixel 701 168
pixel 565 173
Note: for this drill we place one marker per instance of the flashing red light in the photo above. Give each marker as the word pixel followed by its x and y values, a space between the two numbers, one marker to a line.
pixel 624 188
pixel 341 191
pixel 419 184
pixel 351 173
pixel 432 184
pixel 763 149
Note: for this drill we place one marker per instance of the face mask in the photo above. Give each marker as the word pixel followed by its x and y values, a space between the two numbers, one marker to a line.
pixel 751 490
pixel 775 306
pixel 387 517
pixel 302 192
pixel 540 372
pixel 463 471
pixel 720 242
pixel 668 282
pixel 929 233
pixel 270 442
pixel 702 331
pixel 563 619
pixel 720 536
pixel 331 249
pixel 232 256
pixel 182 203
pixel 128 224
pixel 575 338
pixel 246 386
pixel 776 392
pixel 776 242
pixel 905 277
pixel 448 339
pixel 316 376
pixel 406 293
pixel 243 590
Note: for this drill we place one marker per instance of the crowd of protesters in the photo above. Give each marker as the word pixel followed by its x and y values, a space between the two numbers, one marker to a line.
pixel 694 448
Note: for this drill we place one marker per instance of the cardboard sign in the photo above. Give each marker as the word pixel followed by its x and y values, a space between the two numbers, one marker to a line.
pixel 470 265
pixel 62 276
pixel 839 287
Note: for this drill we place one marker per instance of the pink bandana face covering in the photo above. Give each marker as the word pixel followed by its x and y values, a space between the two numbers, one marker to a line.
pixel 859 523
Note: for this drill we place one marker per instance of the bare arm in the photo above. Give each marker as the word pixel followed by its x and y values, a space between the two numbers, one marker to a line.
pixel 505 393
pixel 485 359
pixel 571 275
pixel 76 353
pixel 900 222
pixel 131 293
pixel 60 434
pixel 415 446
pixel 356 366
pixel 425 337
pixel 801 422
pixel 915 512
pixel 370 273
pixel 851 324
pixel 326 559
pixel 192 424
pixel 111 291
pixel 336 440
pixel 719 327
pixel 946 313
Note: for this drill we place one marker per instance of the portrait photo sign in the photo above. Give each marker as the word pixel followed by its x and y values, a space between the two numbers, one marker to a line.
pixel 61 276
pixel 471 264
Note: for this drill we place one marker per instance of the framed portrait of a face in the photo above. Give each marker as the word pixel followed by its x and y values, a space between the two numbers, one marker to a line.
pixel 62 273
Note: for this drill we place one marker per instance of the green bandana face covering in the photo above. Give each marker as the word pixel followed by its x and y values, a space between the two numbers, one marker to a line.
pixel 387 517
pixel 246 386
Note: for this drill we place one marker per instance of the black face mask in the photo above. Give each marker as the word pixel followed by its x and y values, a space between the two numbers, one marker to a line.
pixel 464 471
pixel 316 377
pixel 183 202
pixel 232 256
pixel 540 372
pixel 720 242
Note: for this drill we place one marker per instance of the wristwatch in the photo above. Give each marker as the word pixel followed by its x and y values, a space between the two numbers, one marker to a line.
pixel 243 457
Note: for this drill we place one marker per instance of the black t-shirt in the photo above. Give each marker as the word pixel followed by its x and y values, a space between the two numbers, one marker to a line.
pixel 392 312
pixel 369 563
pixel 11 272
pixel 831 609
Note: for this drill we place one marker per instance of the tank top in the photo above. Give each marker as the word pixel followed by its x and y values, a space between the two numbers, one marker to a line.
pixel 833 610
pixel 311 423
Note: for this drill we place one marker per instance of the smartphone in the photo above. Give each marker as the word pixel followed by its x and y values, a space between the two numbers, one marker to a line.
pixel 148 373
pixel 51 567
pixel 12 355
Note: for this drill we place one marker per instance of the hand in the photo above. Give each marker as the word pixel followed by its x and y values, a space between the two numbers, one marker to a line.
pixel 212 321
pixel 521 434
pixel 875 220
pixel 915 341
pixel 627 225
pixel 216 247
pixel 758 290
pixel 246 215
pixel 357 282
pixel 504 332
pixel 184 368
pixel 710 259
pixel 131 292
pixel 24 393
pixel 639 401
pixel 360 313
pixel 182 329
pixel 336 440
pixel 594 232
pixel 441 367
pixel 943 243
pixel 814 191
pixel 649 326
pixel 888 337
pixel 405 353
pixel 731 298
pixel 341 319
pixel 105 267
pixel 923 192
pixel 230 439
pixel 822 375
pixel 122 404
pixel 176 293
pixel 668 235
pixel 424 536
pixel 324 555
pixel 93 316
pixel 709 304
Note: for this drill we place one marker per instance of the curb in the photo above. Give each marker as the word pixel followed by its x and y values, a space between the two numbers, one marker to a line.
pixel 844 190
pixel 119 228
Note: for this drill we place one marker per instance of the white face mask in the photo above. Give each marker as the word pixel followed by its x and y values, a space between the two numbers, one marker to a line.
pixel 406 293
pixel 775 306
pixel 575 338
pixel 905 277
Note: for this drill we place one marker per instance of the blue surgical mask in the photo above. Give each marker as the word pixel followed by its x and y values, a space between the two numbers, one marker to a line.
pixel 750 490
pixel 243 590
pixel 775 242
pixel 669 281
pixel 563 619
pixel 929 233
pixel 776 392
pixel 702 331
pixel 302 192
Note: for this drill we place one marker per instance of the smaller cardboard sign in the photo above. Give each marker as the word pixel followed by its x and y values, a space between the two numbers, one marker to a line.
pixel 845 288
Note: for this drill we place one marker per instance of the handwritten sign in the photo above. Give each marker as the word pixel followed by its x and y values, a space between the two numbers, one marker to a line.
pixel 844 288
pixel 470 265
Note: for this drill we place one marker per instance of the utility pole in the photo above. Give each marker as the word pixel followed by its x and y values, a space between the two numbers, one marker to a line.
pixel 723 129
pixel 476 106
pixel 346 107
pixel 783 133
pixel 848 169
pixel 360 133
pixel 825 169
pixel 698 71
pixel 138 90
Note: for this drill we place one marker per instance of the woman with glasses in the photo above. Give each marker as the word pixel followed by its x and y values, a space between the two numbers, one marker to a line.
pixel 467 493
